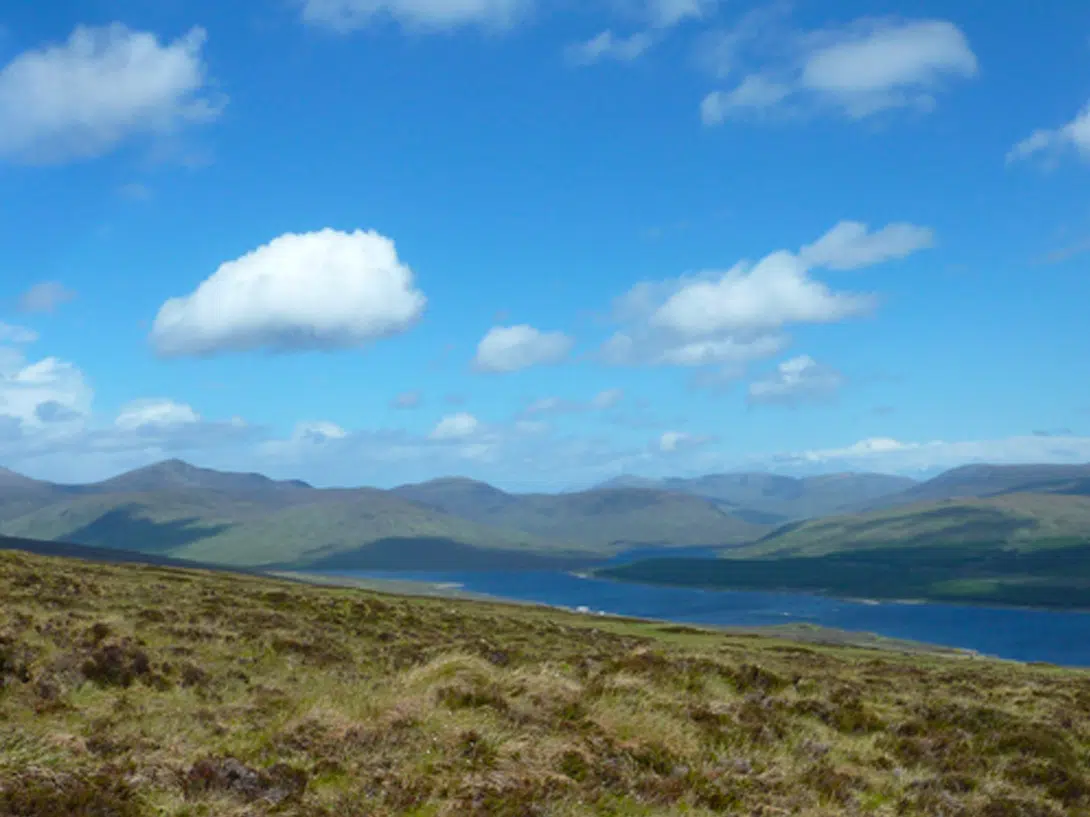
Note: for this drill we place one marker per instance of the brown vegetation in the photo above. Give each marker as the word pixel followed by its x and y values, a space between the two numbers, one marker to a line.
pixel 131 691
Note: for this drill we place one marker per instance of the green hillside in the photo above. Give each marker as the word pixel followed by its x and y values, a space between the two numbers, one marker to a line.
pixel 602 518
pixel 1017 549
pixel 249 520
pixel 1022 521
pixel 974 481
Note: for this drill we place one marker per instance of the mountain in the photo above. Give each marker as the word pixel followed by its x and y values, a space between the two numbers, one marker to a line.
pixel 1016 520
pixel 991 480
pixel 1018 549
pixel 175 474
pixel 763 498
pixel 598 518
pixel 178 510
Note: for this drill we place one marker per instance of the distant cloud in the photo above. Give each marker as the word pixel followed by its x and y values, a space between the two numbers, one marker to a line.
pixel 667 13
pixel 872 65
pixel 607 45
pixel 892 455
pixel 671 440
pixel 137 191
pixel 849 245
pixel 45 297
pixel 1074 136
pixel 798 380
pixel 456 427
pixel 344 16
pixel 602 401
pixel 511 348
pixel 607 399
pixel 16 334
pixel 104 86
pixel 34 395
pixel 155 412
pixel 407 400
pixel 300 292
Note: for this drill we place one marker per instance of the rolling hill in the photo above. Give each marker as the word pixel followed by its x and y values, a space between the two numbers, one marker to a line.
pixel 598 518
pixel 175 509
pixel 990 480
pixel 772 498
pixel 1018 548
pixel 1020 521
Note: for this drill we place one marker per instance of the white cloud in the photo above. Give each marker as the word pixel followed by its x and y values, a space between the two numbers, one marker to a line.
pixel 670 440
pixel 16 334
pixel 350 15
pixel 37 396
pixel 318 431
pixel 607 45
pixel 734 317
pixel 795 381
pixel 407 400
pixel 102 87
pixel 849 245
pixel 510 348
pixel 755 92
pixel 607 399
pixel 309 291
pixel 774 292
pixel 602 401
pixel 155 413
pixel 667 13
pixel 869 66
pixel 892 455
pixel 1074 135
pixel 45 297
pixel 456 427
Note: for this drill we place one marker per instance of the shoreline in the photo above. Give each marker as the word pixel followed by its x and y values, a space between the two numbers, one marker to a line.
pixel 798 632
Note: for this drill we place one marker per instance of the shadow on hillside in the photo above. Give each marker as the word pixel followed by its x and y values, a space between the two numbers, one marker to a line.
pixel 122 529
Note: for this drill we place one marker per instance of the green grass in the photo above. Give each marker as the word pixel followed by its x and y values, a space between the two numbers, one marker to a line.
pixel 1021 521
pixel 129 691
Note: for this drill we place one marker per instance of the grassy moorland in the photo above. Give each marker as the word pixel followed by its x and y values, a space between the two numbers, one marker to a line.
pixel 135 690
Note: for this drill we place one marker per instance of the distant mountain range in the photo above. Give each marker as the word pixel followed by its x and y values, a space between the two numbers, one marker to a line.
pixel 771 499
pixel 177 510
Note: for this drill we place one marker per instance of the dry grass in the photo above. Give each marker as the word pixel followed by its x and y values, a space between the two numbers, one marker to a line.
pixel 130 691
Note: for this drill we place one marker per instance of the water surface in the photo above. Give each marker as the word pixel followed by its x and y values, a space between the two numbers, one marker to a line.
pixel 1023 635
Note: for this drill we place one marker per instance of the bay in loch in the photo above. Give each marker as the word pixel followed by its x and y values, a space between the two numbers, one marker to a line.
pixel 1061 638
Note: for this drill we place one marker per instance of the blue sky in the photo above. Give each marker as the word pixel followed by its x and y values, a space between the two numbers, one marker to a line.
pixel 542 243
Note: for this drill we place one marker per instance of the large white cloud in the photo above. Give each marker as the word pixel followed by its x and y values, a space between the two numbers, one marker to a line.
pixel 350 15
pixel 774 292
pixel 103 86
pixel 734 317
pixel 1074 136
pixel 869 66
pixel 320 290
pixel 849 245
pixel 795 381
pixel 511 348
